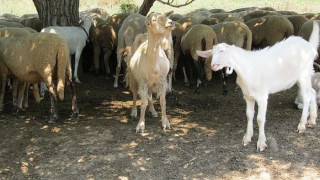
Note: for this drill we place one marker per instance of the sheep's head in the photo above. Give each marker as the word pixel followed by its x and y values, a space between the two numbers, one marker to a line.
pixel 159 23
pixel 220 56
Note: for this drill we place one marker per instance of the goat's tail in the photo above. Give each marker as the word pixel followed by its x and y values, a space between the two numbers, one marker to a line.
pixel 62 63
pixel 314 37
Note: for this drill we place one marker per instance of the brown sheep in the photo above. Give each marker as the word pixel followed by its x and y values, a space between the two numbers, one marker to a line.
pixel 148 68
pixel 198 37
pixel 305 32
pixel 297 21
pixel 131 26
pixel 18 86
pixel 268 30
pixel 46 57
pixel 258 14
pixel 233 33
pixel 105 39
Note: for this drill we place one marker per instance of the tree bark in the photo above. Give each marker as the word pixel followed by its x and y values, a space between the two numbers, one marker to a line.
pixel 58 12
pixel 145 7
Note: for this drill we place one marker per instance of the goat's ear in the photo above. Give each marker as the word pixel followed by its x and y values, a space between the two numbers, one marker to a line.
pixel 204 54
pixel 169 13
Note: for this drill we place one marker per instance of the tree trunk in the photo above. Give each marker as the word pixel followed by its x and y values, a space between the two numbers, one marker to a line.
pixel 145 7
pixel 58 12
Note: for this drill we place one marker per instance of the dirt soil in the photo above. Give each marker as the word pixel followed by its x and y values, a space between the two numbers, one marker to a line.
pixel 203 143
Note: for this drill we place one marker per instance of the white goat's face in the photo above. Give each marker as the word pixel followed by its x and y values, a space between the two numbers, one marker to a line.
pixel 159 23
pixel 220 56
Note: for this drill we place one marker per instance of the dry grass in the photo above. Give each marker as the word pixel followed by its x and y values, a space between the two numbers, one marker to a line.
pixel 20 7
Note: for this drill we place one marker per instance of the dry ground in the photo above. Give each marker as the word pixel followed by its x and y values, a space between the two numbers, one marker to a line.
pixel 204 142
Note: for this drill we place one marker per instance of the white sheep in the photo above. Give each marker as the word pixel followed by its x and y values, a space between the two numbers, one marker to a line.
pixel 270 70
pixel 39 57
pixel 76 38
pixel 148 68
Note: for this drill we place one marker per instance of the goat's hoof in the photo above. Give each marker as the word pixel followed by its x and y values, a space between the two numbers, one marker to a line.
pixel 197 91
pixel 140 127
pixel 246 140
pixel 165 124
pixel 301 128
pixel 311 125
pixel 186 84
pixel 261 146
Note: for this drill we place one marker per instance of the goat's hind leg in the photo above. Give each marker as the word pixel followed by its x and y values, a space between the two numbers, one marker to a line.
pixel 306 97
pixel 313 109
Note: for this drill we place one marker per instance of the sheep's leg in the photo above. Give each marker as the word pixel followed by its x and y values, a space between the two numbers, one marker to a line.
pixel 106 61
pixel 186 80
pixel 96 57
pixel 53 110
pixel 306 98
pixel 72 89
pixel 25 101
pixel 3 88
pixel 76 64
pixel 250 114
pixel 143 92
pixel 224 80
pixel 151 106
pixel 116 77
pixel 15 86
pixel 261 119
pixel 313 109
pixel 21 91
pixel 175 64
pixel 134 112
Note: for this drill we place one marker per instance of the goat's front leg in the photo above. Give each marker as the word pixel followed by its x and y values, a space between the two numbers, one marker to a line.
pixel 143 92
pixel 261 119
pixel 250 113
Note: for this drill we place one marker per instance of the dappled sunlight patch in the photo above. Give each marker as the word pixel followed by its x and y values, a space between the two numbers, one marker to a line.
pixel 55 129
pixel 45 127
pixel 24 168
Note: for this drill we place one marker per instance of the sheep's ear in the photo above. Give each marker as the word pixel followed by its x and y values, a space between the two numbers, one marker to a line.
pixel 204 54
pixel 169 13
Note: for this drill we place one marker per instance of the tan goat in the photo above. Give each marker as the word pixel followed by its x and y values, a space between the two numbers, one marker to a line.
pixel 148 68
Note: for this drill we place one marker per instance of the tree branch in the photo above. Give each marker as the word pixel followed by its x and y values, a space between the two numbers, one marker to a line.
pixel 170 3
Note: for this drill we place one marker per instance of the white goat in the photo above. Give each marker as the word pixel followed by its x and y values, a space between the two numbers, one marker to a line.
pixel 76 38
pixel 270 70
pixel 148 68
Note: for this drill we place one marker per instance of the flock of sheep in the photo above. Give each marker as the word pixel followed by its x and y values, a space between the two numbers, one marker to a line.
pixel 149 49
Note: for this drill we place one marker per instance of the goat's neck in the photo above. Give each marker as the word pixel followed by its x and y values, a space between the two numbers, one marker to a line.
pixel 239 65
pixel 154 43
